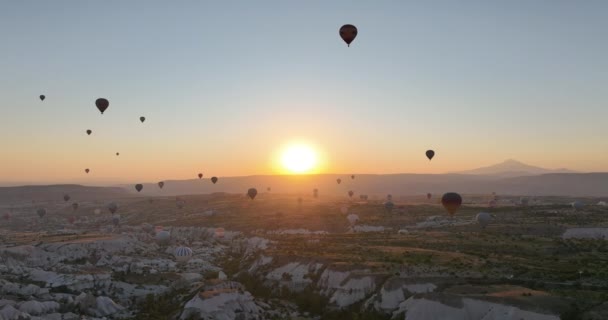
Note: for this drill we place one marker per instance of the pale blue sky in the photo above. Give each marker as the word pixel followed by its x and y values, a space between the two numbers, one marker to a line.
pixel 226 81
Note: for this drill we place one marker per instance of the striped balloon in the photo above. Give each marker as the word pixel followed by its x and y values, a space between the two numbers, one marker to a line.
pixel 183 254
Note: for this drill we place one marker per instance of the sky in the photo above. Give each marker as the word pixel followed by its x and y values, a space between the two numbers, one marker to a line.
pixel 226 85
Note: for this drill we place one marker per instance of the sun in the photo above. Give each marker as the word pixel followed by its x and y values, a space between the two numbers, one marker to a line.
pixel 299 159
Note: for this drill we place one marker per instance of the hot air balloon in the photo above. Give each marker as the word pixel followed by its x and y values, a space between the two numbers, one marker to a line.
pixel 42 97
pixel 524 201
pixel 299 201
pixel 389 197
pixel 352 218
pixel 200 175
pixel 339 181
pixel 577 205
pixel 142 119
pixel 214 179
pixel 75 206
pixel 428 196
pixel 430 154
pixel 66 197
pixel 161 184
pixel 183 254
pixel 219 232
pixel 163 237
pixel 116 219
pixel 102 104
pixel 87 170
pixel 351 193
pixel 315 193
pixel 180 204
pixel 348 33
pixel 89 132
pixel 483 218
pixel 268 189
pixel 352 177
pixel 113 207
pixel 451 201
pixel 41 212
pixel 344 209
pixel 117 154
pixel 139 187
pixel 389 205
pixel 252 192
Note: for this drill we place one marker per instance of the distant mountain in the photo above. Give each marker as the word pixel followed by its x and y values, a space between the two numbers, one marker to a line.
pixel 513 168
pixel 56 192
pixel 554 184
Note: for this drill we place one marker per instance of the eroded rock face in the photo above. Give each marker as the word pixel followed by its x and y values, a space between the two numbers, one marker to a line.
pixel 224 301
pixel 465 309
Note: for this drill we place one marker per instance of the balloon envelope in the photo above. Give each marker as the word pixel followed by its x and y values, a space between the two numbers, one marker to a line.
pixel 339 181
pixel 139 187
pixel 102 104
pixel 41 212
pixel 451 201
pixel 252 192
pixel 163 237
pixel 200 175
pixel 89 132
pixel 428 196
pixel 142 119
pixel 389 205
pixel 87 170
pixel 577 205
pixel 348 33
pixel 66 197
pixel 351 193
pixel 352 218
pixel 183 254
pixel 483 218
pixel 112 207
pixel 161 184
pixel 430 154
pixel 75 206
pixel 352 177
pixel 214 179
pixel 42 97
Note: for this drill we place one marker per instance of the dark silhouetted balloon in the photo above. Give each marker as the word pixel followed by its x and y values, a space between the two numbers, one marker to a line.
pixel 102 104
pixel 75 206
pixel 430 154
pixel 214 179
pixel 87 170
pixel 351 193
pixel 89 132
pixel 268 189
pixel 339 181
pixel 161 184
pixel 352 177
pixel 117 153
pixel 139 187
pixel 299 201
pixel 428 196
pixel 142 119
pixel 200 175
pixel 252 192
pixel 348 33
pixel 66 197
pixel 451 201
pixel 315 193
pixel 113 207
pixel 42 97
pixel 41 212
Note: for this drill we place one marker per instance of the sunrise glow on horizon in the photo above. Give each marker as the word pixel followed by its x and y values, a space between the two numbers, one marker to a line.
pixel 477 82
